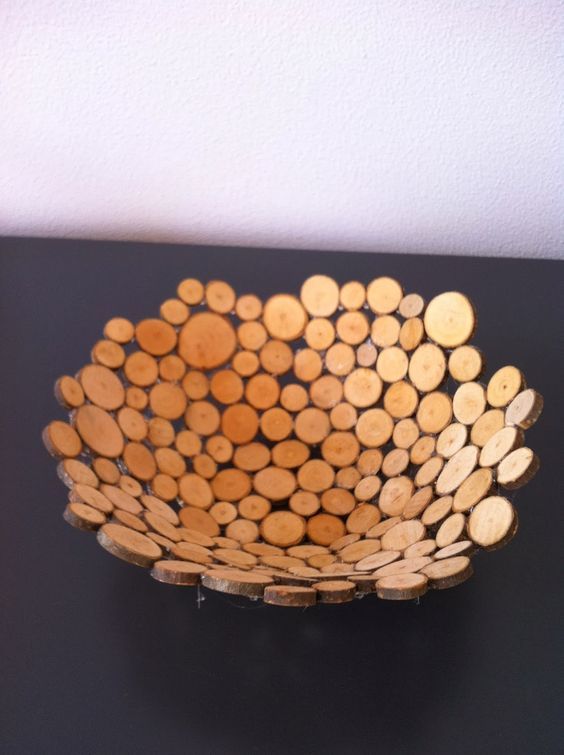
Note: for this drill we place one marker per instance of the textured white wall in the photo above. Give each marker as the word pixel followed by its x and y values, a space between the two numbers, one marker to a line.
pixel 398 125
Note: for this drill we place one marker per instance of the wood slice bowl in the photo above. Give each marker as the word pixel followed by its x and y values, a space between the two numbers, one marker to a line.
pixel 301 451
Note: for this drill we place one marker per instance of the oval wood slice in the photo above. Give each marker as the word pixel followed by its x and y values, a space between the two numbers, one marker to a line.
pixel 335 591
pixel 292 596
pixel 236 582
pixel 401 586
pixel 129 545
pixel 177 572
pixel 448 572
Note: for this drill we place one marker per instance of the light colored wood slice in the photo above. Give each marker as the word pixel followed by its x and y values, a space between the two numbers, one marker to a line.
pixel 326 392
pixel 418 503
pixel 130 520
pixel 517 468
pixel 282 563
pixel 99 431
pixel 220 448
pixel 457 469
pixel 130 485
pixel 309 572
pixel 340 359
pixel 450 319
pixel 437 510
pixel 283 528
pixel 141 369
pixel 400 400
pixel 465 363
pixel 342 571
pixel 374 428
pixel 226 387
pixel 235 557
pixel 120 499
pixel 263 549
pixel 362 387
pixel 290 454
pixel 392 364
pixel 262 391
pixel 235 582
pixel 504 385
pixel 319 333
pixel 366 355
pixel 347 477
pixel 386 524
pixel 427 367
pixel 119 329
pixel 68 392
pixel 293 397
pixel 434 412
pixel 422 548
pixel 155 336
pixel 62 440
pixel 460 548
pixel 377 560
pixel 83 517
pixel 197 519
pixel 159 524
pixel 352 295
pixel 312 425
pixel 174 311
pixel 196 385
pixel 524 409
pixel 139 461
pixel 254 507
pixel 448 572
pixel 220 297
pixel 239 423
pixel 305 551
pixel 320 295
pixel 469 403
pixel 352 328
pixel 450 530
pixel 451 440
pixel 429 471
pixel 192 552
pixel 157 506
pixel 252 335
pixel 129 545
pixel 207 341
pixel 343 416
pixel 342 542
pixel 395 462
pixel 422 449
pixel 358 551
pixel 290 596
pixel 395 495
pixel 177 572
pixel 384 295
pixel 304 503
pixel 223 512
pixel 161 541
pixel 307 365
pixel 82 493
pixel 276 357
pixel 402 535
pixel 165 487
pixel 411 333
pixel 102 386
pixel 367 488
pixel 275 483
pixel 190 291
pixel 195 491
pixel 231 485
pixel 245 363
pixel 106 470
pixel 401 587
pixel 385 331
pixel 316 475
pixel 197 538
pixel 335 591
pixel 411 305
pixel 473 489
pixel 341 449
pixel 363 518
pixel 248 307
pixel 251 457
pixel 72 472
pixel 492 522
pixel 324 529
pixel 284 317
pixel 486 426
pixel 403 566
pixel 500 444
pixel 406 432
pixel 132 423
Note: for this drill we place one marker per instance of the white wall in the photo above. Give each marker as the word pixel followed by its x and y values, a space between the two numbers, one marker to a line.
pixel 396 125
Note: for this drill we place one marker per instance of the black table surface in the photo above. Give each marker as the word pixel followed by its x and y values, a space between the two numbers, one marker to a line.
pixel 99 658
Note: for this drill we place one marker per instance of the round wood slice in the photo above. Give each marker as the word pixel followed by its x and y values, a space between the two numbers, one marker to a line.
pixel 460 548
pixel 174 311
pixel 283 528
pixel 428 471
pixel 469 403
pixel 504 385
pixel 492 522
pixel 235 582
pixel 400 400
pixel 385 331
pixel 352 328
pixel 366 355
pixel 73 472
pixel 335 591
pixel 129 545
pixel 197 519
pixel 207 341
pixel 524 409
pixel 517 468
pixel 320 295
pixel 377 560
pixel 437 510
pixel 403 566
pixel 177 572
pixel 434 412
pixel 68 392
pixel 448 572
pixel 352 295
pixel 395 495
pixel 406 432
pixel 422 548
pixel 83 517
pixel 450 319
pixel 190 291
pixel 343 416
pixel 290 596
pixel 362 387
pixel 384 295
pixel 220 297
pixel 427 367
pixel 324 529
pixel 119 329
pixel 155 336
pixel 340 359
pixel 401 587
pixel 108 353
pixel 326 392
pixel 319 333
pixel 284 317
pixel 363 518
pixel 411 333
pixel 130 520
pixel 392 364
pixel 486 426
pixel 465 363
pixel 411 305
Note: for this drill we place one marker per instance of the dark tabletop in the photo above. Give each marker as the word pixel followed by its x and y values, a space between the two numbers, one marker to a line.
pixel 99 658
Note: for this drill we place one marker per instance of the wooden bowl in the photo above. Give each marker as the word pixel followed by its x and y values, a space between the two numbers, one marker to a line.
pixel 302 450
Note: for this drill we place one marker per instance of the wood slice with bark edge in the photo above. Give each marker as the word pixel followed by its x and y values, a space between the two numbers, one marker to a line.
pixel 292 596
pixel 401 587
pixel 324 529
pixel 411 333
pixel 406 432
pixel 400 400
pixel 319 333
pixel 82 493
pixel 437 510
pixel 352 328
pixel 367 488
pixel 503 386
pixel 106 470
pixel 492 522
pixel 191 291
pixel 174 311
pixel 460 548
pixel 517 468
pixel 395 494
pixel 422 450
pixel 475 487
pixel 485 426
pixel 129 545
pixel 320 295
pixel 457 469
pixel 61 440
pixel 108 353
pixel 335 591
pixel 355 552
pixel 417 503
pixel 395 462
pixel 131 520
pixel 362 387
pixel 155 336
pixel 499 445
pixel 392 364
pixel 68 392
pixel 177 572
pixel 376 560
pixel 73 472
pixel 99 431
pixel 448 572
pixel 385 331
pixel 403 566
pixel 83 517
pixel 198 519
pixel 428 472
pixel 220 297
pixel 524 409
pixel 451 440
pixel 236 582
pixel 119 329
pixel 284 317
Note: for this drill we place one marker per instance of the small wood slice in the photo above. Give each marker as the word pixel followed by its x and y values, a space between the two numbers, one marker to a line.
pixel 324 529
pixel 119 329
pixel 469 403
pixel 366 355
pixel 82 493
pixel 248 307
pixel 108 353
pixel 226 387
pixel 460 548
pixel 392 364
pixel 130 520
pixel 174 311
pixel 251 457
pixel 428 472
pixel 320 295
pixel 319 333
pixel 486 426
pixel 335 591
pixel 504 385
pixel 62 440
pixel 316 476
pixel 465 363
pixel 403 566
pixel 401 587
pixel 167 400
pixel 422 449
pixel 235 582
pixel 451 440
pixel 254 507
pixel 274 483
pixel 156 506
pixel 235 557
pixel 307 365
pixel 68 392
pixel 290 596
pixel 197 519
pixel 411 305
pixel 190 291
pixel 220 297
pixel 436 511
pixel 120 499
pixel 340 359
pixel 362 387
pixel 384 295
pixel 72 472
pixel 139 461
pixel 448 572
pixel 231 485
pixel 417 503
pixel 422 548
pixel 402 535
pixel 156 337
pixel 406 432
pixel 363 518
pixel 283 528
pixel 99 431
pixel 132 423
pixel 106 470
pixel 499 445
pixel 358 551
pixel 492 522
pixel 141 369
pixel 293 397
pixel 524 409
pixel 207 341
pixel 312 426
pixel 276 357
pixel 284 317
pixel 220 449
pixel 83 517
pixel 434 412
pixel 245 363
pixel 239 423
pixel 450 530
pixel 385 331
pixel 427 367
pixel 374 428
pixel 177 572
pixel 400 400
pixel 395 495
pixel 377 560
pixel 450 319
pixel 343 416
pixel 517 468
pixel 326 392
pixel 473 489
pixel 395 462
pixel 165 487
pixel 262 391
pixel 352 295
pixel 457 469
pixel 367 488
pixel 252 335
pixel 353 328
pixel 304 503
pixel 129 545
pixel 192 552
pixel 411 333
pixel 386 524
pixel 196 385
pixel 223 512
